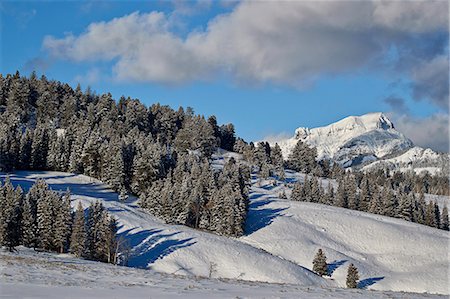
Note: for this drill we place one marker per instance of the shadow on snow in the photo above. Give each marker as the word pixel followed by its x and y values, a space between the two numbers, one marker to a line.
pixel 148 246
pixel 259 217
pixel 369 281
pixel 331 267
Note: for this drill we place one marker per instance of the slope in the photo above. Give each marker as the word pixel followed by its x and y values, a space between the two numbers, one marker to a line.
pixel 28 274
pixel 172 248
pixel 391 254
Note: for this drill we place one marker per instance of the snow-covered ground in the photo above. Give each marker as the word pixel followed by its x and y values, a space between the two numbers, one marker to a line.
pixel 390 254
pixel 282 238
pixel 27 274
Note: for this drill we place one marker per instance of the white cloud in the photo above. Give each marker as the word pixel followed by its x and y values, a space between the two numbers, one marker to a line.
pixel 432 131
pixel 289 43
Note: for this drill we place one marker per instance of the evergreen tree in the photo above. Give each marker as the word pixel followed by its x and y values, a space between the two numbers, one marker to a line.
pixel 62 221
pixel 78 237
pixel 302 158
pixel 430 217
pixel 320 263
pixel 28 227
pixel 444 219
pixel 45 219
pixel 352 277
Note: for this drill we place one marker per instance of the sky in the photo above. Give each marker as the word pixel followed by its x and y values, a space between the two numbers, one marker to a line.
pixel 267 67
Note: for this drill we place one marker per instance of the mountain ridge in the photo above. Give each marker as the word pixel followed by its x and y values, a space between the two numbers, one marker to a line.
pixel 357 141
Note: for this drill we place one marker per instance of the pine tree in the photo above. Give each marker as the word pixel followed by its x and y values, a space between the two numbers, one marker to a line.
pixel 444 220
pixel 352 195
pixel 11 232
pixel 352 277
pixel 365 195
pixel 320 263
pixel 62 220
pixel 302 158
pixel 78 237
pixel 437 215
pixel 28 227
pixel 45 219
pixel 430 217
pixel 341 197
pixel 405 209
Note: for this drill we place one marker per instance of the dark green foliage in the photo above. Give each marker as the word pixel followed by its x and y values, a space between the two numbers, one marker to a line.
pixel 303 158
pixel 320 263
pixel 444 220
pixel 352 277
pixel 78 237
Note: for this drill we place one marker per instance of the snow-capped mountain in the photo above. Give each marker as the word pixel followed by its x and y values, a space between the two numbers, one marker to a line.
pixel 359 140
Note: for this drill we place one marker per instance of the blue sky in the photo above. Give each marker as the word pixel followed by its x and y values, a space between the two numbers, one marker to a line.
pixel 239 62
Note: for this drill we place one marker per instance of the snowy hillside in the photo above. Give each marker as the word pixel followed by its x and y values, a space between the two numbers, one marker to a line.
pixel 371 141
pixel 389 253
pixel 176 249
pixel 417 159
pixel 282 238
pixel 27 274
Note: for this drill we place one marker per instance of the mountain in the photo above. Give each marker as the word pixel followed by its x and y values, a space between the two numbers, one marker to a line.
pixel 357 141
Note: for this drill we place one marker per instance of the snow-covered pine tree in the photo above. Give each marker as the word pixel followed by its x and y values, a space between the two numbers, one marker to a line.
pixel 45 218
pixel 78 237
pixel 405 208
pixel 390 203
pixel 352 277
pixel 341 196
pixel 444 219
pixel 276 157
pixel 365 195
pixel 39 148
pixel 437 215
pixel 430 217
pixel 351 191
pixel 320 263
pixel 11 233
pixel 62 221
pixel 26 141
pixel 28 226
pixel 420 209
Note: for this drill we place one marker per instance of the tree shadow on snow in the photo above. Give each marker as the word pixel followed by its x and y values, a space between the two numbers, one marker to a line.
pixel 92 190
pixel 258 217
pixel 150 245
pixel 369 281
pixel 331 267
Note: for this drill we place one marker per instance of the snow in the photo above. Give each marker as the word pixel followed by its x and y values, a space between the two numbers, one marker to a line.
pixel 411 161
pixel 354 137
pixel 28 274
pixel 282 238
pixel 173 248
pixel 390 253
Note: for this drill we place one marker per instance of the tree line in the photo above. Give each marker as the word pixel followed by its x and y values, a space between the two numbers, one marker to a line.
pixel 398 194
pixel 368 197
pixel 47 125
pixel 43 219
